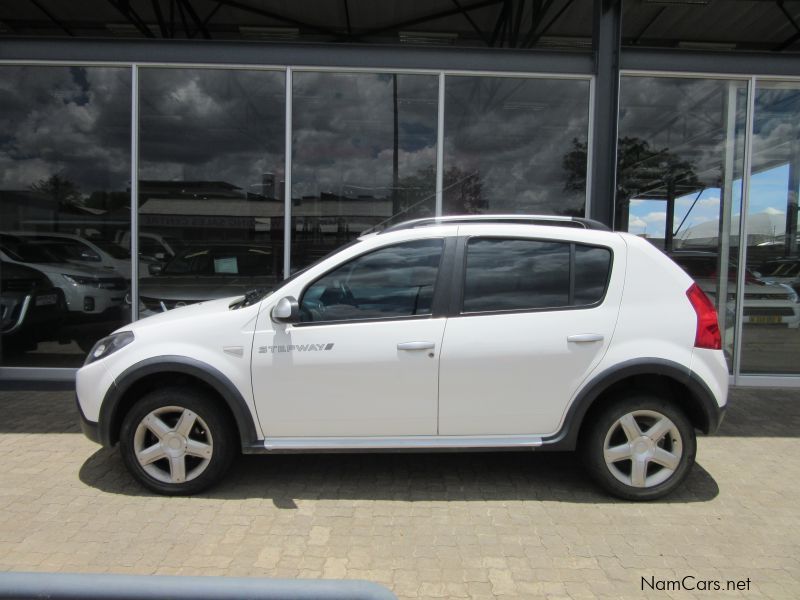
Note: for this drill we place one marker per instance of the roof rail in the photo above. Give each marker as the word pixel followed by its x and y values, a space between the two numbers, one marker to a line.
pixel 552 220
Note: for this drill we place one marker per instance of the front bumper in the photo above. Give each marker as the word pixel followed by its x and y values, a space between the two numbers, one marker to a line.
pixel 89 428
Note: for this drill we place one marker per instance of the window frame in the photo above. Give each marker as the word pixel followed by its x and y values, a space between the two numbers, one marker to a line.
pixel 457 304
pixel 438 303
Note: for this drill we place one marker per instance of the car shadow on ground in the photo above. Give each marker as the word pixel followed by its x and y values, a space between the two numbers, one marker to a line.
pixel 408 477
pixel 464 476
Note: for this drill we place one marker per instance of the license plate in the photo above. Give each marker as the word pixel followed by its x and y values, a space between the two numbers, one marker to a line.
pixel 766 320
pixel 46 300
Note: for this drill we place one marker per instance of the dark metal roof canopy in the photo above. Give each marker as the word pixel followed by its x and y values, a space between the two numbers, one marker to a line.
pixel 482 23
pixel 772 25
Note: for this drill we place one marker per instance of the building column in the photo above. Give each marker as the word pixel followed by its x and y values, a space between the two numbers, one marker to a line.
pixel 790 242
pixel 606 44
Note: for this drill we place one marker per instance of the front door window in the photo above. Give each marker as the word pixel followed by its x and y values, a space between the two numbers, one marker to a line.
pixel 396 281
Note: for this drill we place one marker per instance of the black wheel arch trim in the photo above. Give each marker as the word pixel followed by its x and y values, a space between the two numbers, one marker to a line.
pixel 175 364
pixel 567 437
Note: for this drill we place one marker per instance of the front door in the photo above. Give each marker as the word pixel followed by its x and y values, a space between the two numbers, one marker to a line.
pixel 364 359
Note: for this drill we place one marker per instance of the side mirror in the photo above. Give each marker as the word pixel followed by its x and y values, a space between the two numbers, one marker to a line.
pixel 154 269
pixel 287 310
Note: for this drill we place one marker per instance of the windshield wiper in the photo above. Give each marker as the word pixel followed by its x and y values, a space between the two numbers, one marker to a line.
pixel 251 297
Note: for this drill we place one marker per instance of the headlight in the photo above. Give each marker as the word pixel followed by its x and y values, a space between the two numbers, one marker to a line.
pixel 78 280
pixel 109 345
pixel 790 290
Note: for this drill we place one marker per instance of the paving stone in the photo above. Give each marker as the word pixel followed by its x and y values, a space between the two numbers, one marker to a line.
pixel 479 526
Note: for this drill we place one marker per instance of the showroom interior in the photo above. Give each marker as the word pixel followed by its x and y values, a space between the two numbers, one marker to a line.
pixel 231 143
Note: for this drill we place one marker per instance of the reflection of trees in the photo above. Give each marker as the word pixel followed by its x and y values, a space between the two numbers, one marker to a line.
pixel 63 192
pixel 59 189
pixel 642 172
pixel 574 165
pixel 462 193
pixel 416 195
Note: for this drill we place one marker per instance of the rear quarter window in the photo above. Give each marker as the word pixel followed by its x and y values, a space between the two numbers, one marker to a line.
pixel 592 270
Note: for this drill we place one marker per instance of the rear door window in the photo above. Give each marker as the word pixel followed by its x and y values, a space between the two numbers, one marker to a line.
pixel 504 274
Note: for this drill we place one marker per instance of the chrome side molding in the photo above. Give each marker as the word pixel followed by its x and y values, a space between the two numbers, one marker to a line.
pixel 417 442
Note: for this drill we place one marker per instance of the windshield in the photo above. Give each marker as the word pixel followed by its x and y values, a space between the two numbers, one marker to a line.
pixel 112 249
pixel 69 249
pixel 30 252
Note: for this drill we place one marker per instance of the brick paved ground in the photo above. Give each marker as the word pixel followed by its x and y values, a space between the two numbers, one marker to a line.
pixel 493 525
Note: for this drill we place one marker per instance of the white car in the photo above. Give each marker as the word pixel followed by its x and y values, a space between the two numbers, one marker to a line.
pixel 785 271
pixel 531 333
pixel 87 291
pixel 767 301
pixel 97 254
pixel 152 246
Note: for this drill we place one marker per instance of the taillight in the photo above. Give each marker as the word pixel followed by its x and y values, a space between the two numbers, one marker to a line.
pixel 707 335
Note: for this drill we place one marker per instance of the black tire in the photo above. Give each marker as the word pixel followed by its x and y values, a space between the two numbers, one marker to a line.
pixel 618 476
pixel 212 428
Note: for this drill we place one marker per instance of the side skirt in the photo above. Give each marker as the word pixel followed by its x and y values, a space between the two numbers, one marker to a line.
pixel 420 443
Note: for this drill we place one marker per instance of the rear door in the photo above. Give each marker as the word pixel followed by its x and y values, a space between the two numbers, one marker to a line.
pixel 535 316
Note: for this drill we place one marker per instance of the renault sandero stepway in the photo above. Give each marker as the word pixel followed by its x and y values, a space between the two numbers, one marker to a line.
pixel 470 333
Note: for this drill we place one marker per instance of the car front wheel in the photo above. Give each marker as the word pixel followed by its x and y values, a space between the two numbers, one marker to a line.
pixel 641 448
pixel 176 441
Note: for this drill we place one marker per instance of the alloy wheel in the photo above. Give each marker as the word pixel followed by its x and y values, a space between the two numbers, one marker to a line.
pixel 173 444
pixel 643 448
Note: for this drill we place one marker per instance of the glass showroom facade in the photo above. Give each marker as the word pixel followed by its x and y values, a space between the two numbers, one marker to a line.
pixel 226 178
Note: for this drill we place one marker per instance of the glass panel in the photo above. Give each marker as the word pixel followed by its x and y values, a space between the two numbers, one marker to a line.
pixel 516 275
pixel 770 340
pixel 680 161
pixel 396 281
pixel 64 209
pixel 515 145
pixel 592 267
pixel 363 154
pixel 211 176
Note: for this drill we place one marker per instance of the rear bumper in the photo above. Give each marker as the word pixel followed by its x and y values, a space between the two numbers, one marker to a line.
pixel 708 381
pixel 89 428
pixel 715 419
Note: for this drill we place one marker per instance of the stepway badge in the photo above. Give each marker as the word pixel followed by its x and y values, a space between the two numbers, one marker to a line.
pixel 295 348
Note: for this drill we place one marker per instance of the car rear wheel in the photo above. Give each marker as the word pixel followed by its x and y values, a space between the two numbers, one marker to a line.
pixel 177 441
pixel 640 448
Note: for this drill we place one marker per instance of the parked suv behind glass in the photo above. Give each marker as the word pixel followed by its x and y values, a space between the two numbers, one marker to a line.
pixel 534 333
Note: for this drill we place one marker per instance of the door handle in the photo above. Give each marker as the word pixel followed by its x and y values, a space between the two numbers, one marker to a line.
pixel 582 338
pixel 416 346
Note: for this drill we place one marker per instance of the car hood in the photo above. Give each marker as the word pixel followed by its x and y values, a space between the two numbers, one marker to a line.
pixel 197 289
pixel 71 269
pixel 200 311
